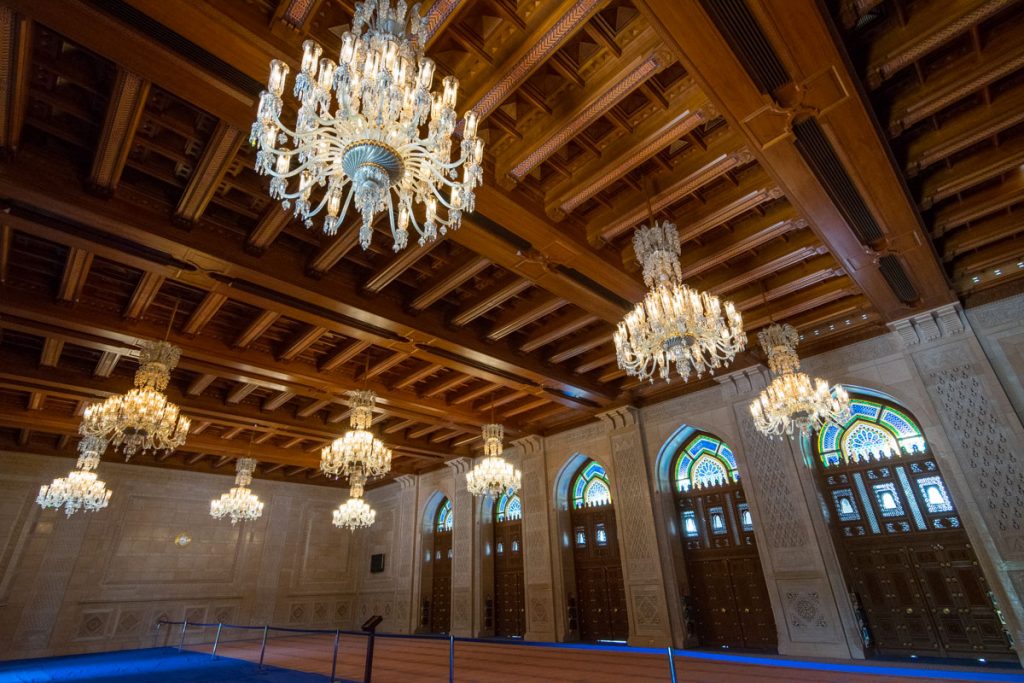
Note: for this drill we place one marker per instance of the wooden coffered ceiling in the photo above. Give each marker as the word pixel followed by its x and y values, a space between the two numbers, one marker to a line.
pixel 128 193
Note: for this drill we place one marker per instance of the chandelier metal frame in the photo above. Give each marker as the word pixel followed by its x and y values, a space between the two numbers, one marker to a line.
pixel 357 452
pixel 81 489
pixel 370 131
pixel 142 418
pixel 793 402
pixel 674 325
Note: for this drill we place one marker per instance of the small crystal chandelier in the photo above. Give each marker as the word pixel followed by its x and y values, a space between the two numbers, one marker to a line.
pixel 142 418
pixel 493 475
pixel 793 401
pixel 674 324
pixel 81 489
pixel 240 503
pixel 355 513
pixel 357 452
pixel 358 131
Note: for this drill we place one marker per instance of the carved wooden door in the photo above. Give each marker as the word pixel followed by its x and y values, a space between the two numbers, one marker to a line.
pixel 601 596
pixel 510 604
pixel 441 594
pixel 731 606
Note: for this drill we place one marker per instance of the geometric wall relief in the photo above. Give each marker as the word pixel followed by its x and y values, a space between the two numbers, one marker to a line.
pixel 93 624
pixel 195 615
pixel 461 609
pixel 129 622
pixel 806 616
pixel 780 521
pixel 297 612
pixel 324 552
pixel 634 510
pixel 647 609
pixel 145 552
pixel 18 513
pixel 540 597
pixel 994 470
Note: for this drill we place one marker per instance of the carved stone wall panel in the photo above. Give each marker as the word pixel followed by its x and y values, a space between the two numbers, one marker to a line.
pixel 809 610
pixel 633 506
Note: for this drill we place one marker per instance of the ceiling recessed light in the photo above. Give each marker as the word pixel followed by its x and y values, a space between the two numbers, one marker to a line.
pixel 864 316
pixel 998 271
pixel 976 278
pixel 847 321
pixel 816 333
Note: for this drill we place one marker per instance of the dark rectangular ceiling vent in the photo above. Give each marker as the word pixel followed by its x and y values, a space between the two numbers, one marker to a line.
pixel 521 245
pixel 459 358
pixel 581 279
pixel 179 44
pixel 734 19
pixel 899 282
pixel 819 154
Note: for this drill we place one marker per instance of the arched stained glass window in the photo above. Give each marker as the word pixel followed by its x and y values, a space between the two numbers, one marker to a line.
pixel 591 487
pixel 509 508
pixel 873 432
pixel 444 516
pixel 704 461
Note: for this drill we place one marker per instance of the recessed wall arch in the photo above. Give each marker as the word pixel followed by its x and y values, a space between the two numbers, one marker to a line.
pixel 436 564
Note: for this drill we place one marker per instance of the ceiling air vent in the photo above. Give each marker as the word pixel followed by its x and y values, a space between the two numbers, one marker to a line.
pixel 819 154
pixel 748 41
pixel 595 287
pixel 459 358
pixel 896 276
pixel 179 44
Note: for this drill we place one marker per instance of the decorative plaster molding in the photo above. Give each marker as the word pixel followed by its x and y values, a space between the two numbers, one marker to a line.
pixel 460 465
pixel 620 418
pixel 938 323
pixel 742 381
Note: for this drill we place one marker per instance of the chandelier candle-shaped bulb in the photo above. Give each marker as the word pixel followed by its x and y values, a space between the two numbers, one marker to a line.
pixel 142 419
pixel 793 402
pixel 354 513
pixel 493 475
pixel 370 133
pixel 240 503
pixel 81 489
pixel 674 326
pixel 357 451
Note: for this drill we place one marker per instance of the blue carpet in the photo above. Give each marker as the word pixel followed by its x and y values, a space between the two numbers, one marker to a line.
pixel 140 666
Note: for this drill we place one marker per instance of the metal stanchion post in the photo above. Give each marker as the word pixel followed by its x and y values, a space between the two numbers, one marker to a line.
pixel 334 659
pixel 671 664
pixel 263 646
pixel 216 639
pixel 451 659
pixel 181 643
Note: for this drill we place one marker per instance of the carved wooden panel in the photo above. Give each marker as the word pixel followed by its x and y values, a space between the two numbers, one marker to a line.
pixel 441 591
pixel 601 596
pixel 509 595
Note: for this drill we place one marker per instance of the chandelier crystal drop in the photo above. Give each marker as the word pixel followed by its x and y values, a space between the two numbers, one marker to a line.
pixel 370 132
pixel 493 475
pixel 357 452
pixel 240 503
pixel 674 326
pixel 793 402
pixel 355 513
pixel 81 489
pixel 142 419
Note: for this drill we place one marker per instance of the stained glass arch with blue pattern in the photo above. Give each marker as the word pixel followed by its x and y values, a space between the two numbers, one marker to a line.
pixel 875 431
pixel 509 508
pixel 590 488
pixel 444 516
pixel 705 461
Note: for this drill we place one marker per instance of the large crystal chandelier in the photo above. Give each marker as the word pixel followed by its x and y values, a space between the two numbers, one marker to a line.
pixel 142 418
pixel 357 452
pixel 240 503
pixel 674 325
pixel 355 513
pixel 793 401
pixel 359 131
pixel 493 475
pixel 81 489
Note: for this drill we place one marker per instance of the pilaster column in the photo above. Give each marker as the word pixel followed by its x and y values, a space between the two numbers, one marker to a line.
pixel 982 462
pixel 813 615
pixel 465 568
pixel 404 550
pixel 645 586
pixel 538 579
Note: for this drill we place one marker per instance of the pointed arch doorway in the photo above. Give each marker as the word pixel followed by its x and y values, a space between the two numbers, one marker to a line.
pixel 909 565
pixel 438 614
pixel 509 590
pixel 727 598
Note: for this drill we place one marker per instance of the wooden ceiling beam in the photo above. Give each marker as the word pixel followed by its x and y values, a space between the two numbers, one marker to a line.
pixel 982 234
pixel 384 365
pixel 449 281
pixel 495 297
pixel 106 364
pixel 204 313
pixel 398 264
pixel 744 237
pixel 400 425
pixel 474 393
pixel 52 349
pixel 502 400
pixel 423 431
pixel 785 282
pixel 241 391
pixel 605 87
pixel 145 292
pixel 525 407
pixel 694 172
pixel 596 361
pixel 803 40
pixel 270 225
pixel 277 400
pixel 256 328
pixel 76 270
pixel 689 110
pixel 209 172
pixel 301 342
pixel 801 246
pixel 124 111
pixel 6 238
pixel 418 375
pixel 445 384
pixel 968 171
pixel 342 355
pixel 928 28
pixel 15 56
pixel 232 432
pixel 575 347
pixel 523 313
pixel 804 300
pixel 448 435
pixel 314 407
pixel 557 329
pixel 981 204
pixel 200 384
